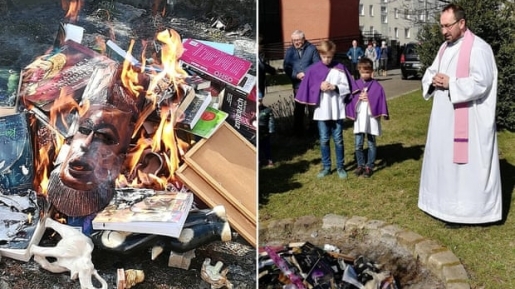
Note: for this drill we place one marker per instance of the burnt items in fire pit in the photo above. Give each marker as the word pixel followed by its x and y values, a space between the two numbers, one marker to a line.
pixel 303 265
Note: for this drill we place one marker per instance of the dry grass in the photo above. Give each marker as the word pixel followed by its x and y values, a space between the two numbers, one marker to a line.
pixel 291 189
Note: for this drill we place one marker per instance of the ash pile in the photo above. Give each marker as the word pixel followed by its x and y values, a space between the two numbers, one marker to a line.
pixel 114 139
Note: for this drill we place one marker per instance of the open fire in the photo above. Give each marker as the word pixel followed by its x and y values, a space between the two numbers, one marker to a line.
pixel 154 145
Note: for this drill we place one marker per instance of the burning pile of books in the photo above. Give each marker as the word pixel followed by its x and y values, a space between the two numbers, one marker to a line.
pixel 304 265
pixel 189 118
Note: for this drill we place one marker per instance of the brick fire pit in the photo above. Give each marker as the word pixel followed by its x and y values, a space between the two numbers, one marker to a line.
pixel 414 260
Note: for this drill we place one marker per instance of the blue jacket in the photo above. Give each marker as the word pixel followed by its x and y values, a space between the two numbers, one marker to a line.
pixel 378 52
pixel 293 64
pixel 355 54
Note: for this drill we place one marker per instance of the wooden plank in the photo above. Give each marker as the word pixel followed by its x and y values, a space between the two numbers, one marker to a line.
pixel 227 161
pixel 212 197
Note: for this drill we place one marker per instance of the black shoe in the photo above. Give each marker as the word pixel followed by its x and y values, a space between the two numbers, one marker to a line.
pixel 367 173
pixel 359 171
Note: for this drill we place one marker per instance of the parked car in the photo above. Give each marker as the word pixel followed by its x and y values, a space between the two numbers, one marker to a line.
pixel 410 61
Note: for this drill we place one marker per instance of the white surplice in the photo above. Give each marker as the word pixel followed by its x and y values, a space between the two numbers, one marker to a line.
pixel 331 105
pixel 462 193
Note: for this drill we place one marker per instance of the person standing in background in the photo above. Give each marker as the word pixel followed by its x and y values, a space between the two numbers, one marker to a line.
pixel 298 57
pixel 378 56
pixel 384 58
pixel 370 53
pixel 355 53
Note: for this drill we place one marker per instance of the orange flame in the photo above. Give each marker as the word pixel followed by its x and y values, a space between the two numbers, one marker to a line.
pixel 73 8
pixel 160 139
pixel 130 77
pixel 171 51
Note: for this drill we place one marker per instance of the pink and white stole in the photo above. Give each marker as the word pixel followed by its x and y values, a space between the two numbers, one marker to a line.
pixel 461 110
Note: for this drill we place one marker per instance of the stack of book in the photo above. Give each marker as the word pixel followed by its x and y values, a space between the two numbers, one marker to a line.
pixel 238 98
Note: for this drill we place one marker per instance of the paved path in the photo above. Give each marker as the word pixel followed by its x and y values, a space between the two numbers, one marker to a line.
pixel 392 83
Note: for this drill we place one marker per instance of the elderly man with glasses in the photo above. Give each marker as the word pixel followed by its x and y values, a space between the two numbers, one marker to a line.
pixel 299 56
pixel 460 181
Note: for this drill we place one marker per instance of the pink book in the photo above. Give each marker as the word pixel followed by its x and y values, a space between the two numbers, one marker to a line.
pixel 226 67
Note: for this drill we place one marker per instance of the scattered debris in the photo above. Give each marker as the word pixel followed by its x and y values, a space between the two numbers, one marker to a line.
pixel 303 265
pixel 181 260
pixel 214 275
pixel 129 278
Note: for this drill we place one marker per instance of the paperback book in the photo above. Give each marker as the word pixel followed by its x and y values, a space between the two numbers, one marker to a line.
pixel 209 60
pixel 191 108
pixel 9 90
pixel 209 122
pixel 20 206
pixel 145 211
pixel 70 66
pixel 241 109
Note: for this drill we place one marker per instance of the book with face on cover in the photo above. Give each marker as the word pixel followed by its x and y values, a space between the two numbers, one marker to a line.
pixel 146 211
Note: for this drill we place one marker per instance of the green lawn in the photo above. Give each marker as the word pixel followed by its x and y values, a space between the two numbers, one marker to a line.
pixel 291 189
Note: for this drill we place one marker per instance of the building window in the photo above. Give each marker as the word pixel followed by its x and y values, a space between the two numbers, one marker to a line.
pixel 396 13
pixel 407 33
pixel 396 32
pixel 371 10
pixel 361 10
pixel 406 14
pixel 384 19
pixel 371 30
pixel 421 17
pixel 384 10
pixel 362 28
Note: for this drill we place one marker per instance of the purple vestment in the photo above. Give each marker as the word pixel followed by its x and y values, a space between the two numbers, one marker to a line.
pixel 309 89
pixel 376 98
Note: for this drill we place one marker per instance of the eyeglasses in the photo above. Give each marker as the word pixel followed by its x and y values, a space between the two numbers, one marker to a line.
pixel 449 26
pixel 297 39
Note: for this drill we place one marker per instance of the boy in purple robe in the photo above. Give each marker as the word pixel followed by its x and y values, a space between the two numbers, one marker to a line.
pixel 367 105
pixel 325 86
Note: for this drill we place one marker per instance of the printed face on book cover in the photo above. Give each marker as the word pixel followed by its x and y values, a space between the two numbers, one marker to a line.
pixel 84 182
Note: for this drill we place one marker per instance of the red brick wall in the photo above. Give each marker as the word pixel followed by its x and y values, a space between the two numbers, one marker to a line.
pixel 337 20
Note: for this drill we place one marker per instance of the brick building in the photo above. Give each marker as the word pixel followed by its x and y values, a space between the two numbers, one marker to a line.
pixel 337 20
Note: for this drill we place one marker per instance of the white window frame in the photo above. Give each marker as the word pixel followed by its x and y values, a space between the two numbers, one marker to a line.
pixel 371 10
pixel 407 33
pixel 361 10
pixel 396 13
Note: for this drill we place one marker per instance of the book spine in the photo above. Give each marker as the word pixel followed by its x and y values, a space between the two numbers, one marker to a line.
pixel 223 66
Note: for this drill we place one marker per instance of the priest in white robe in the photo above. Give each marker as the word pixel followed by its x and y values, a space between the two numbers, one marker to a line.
pixel 460 180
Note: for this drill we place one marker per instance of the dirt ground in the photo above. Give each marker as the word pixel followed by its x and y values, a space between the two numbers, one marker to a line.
pixel 29 29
